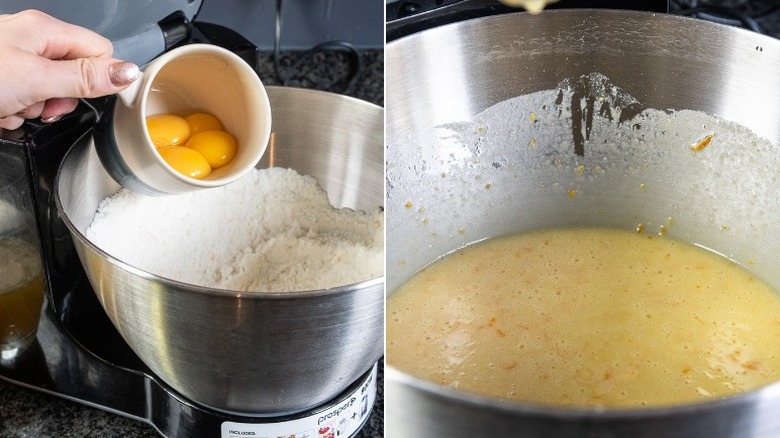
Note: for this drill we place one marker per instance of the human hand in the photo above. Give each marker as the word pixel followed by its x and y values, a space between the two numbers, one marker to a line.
pixel 47 64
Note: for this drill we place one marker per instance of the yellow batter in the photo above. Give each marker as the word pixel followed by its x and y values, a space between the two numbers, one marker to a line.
pixel 21 290
pixel 587 317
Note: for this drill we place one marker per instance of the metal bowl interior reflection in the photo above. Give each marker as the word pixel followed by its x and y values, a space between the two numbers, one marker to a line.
pixel 250 353
pixel 448 75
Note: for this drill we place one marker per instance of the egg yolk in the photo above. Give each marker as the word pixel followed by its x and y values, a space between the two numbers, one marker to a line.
pixel 186 161
pixel 168 130
pixel 200 122
pixel 218 147
pixel 192 145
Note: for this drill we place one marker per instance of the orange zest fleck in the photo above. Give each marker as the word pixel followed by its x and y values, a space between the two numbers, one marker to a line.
pixel 701 144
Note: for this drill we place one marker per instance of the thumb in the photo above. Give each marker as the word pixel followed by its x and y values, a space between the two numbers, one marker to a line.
pixel 87 77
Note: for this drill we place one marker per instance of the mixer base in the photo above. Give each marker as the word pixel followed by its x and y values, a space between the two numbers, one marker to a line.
pixel 60 364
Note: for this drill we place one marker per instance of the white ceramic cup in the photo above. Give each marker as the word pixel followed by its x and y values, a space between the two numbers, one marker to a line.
pixel 185 80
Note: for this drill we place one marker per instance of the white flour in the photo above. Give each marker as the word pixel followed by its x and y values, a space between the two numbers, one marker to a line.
pixel 274 231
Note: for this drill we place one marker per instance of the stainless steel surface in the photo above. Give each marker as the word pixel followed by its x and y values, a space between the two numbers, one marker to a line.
pixel 437 202
pixel 265 353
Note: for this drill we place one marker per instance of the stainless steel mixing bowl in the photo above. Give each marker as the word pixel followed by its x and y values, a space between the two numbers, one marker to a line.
pixel 250 353
pixel 438 199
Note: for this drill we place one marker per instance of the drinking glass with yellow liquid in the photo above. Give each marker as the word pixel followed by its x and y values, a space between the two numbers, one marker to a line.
pixel 21 267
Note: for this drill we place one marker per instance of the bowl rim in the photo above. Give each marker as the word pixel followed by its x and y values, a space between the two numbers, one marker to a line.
pixel 477 402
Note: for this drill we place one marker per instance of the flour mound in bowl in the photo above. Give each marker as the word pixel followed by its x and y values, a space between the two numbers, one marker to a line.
pixel 272 231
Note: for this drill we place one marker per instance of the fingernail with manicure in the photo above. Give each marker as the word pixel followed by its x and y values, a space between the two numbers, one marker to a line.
pixel 52 119
pixel 123 73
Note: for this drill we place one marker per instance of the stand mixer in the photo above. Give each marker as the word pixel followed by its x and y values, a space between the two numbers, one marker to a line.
pixel 79 355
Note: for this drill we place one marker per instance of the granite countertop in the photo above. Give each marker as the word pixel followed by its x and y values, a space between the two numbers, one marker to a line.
pixel 27 413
